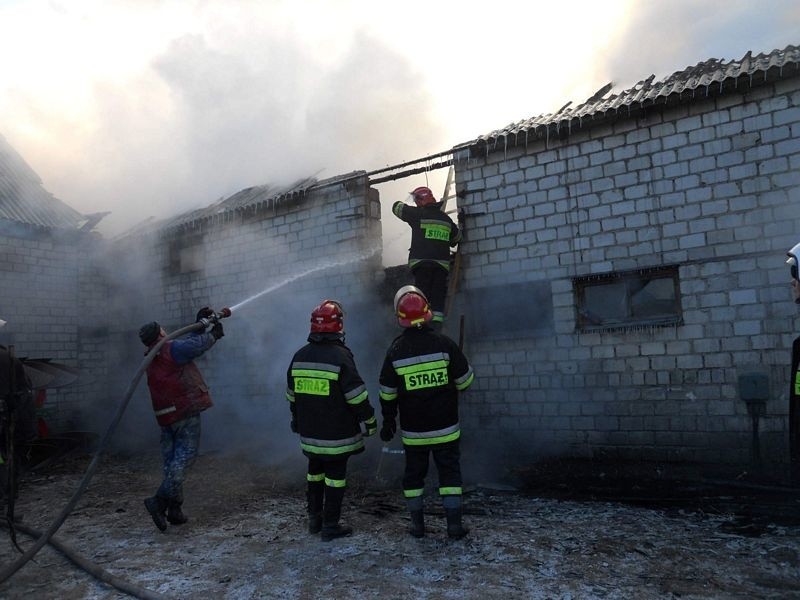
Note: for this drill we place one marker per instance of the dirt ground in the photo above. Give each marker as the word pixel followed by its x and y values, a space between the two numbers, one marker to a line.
pixel 247 539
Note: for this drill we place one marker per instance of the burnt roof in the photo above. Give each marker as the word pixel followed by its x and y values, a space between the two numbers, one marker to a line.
pixel 249 199
pixel 23 199
pixel 712 77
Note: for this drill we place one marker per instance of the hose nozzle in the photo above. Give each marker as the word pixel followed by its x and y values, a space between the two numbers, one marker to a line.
pixel 224 313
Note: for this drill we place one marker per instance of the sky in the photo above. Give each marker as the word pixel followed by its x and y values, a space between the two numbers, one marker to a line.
pixel 148 108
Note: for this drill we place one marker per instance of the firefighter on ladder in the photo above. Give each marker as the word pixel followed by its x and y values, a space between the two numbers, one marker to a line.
pixel 328 401
pixel 421 377
pixel 433 233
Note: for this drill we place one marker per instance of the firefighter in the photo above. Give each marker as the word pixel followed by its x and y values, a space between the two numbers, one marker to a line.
pixel 179 394
pixel 17 422
pixel 432 235
pixel 421 377
pixel 328 401
pixel 794 389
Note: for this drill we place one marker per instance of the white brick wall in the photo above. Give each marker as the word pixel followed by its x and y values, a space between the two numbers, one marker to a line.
pixel 244 256
pixel 712 186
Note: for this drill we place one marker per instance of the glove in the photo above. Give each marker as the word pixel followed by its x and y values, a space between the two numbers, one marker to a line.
pixel 293 425
pixel 217 331
pixel 371 426
pixel 388 429
pixel 204 313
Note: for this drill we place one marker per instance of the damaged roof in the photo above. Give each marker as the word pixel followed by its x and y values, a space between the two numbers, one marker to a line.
pixel 248 199
pixel 23 199
pixel 712 77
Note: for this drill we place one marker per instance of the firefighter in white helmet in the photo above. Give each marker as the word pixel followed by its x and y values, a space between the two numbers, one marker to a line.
pixel 421 377
pixel 794 389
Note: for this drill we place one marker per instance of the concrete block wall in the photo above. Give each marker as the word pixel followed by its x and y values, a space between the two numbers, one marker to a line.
pixel 712 186
pixel 44 287
pixel 325 245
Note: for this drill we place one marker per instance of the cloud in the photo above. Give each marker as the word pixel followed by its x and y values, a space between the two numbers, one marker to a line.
pixel 664 37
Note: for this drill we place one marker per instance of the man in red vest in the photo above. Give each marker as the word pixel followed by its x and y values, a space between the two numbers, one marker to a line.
pixel 179 394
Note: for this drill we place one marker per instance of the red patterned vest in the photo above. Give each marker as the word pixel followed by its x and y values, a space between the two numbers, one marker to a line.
pixel 177 391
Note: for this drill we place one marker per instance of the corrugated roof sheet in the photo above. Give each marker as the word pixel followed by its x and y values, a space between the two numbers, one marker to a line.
pixel 711 77
pixel 252 198
pixel 23 199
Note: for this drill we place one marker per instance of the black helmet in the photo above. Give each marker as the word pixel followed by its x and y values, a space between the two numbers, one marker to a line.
pixel 149 332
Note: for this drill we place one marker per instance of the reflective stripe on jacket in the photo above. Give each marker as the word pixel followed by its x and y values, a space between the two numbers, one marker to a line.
pixel 432 233
pixel 327 397
pixel 422 374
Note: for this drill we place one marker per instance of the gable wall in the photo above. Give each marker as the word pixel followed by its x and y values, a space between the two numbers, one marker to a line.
pixel 712 186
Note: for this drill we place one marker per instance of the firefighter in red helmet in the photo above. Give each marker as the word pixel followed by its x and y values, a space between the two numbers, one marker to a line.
pixel 433 233
pixel 328 401
pixel 421 378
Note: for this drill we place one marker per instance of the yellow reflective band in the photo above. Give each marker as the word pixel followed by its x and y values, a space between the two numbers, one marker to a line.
pixel 316 373
pixel 432 440
pixel 413 493
pixel 449 491
pixel 315 477
pixel 388 396
pixel 797 383
pixel 335 483
pixel 314 387
pixel 359 399
pixel 371 420
pixel 462 386
pixel 290 395
pixel 332 450
pixel 425 366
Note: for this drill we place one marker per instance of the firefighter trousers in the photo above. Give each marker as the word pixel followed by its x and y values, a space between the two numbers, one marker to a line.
pixel 447 458
pixel 432 280
pixel 326 480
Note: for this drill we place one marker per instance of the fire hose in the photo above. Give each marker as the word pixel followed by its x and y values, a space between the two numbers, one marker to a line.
pixel 92 568
pixel 8 571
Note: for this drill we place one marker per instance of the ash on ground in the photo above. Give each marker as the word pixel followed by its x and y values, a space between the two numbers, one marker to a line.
pixel 545 537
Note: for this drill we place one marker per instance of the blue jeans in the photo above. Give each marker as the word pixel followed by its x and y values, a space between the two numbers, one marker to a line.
pixel 179 445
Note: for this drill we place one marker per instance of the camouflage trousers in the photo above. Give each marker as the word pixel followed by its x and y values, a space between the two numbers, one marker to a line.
pixel 179 444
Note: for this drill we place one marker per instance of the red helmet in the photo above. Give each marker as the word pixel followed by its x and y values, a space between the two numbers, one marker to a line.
pixel 328 317
pixel 411 307
pixel 423 196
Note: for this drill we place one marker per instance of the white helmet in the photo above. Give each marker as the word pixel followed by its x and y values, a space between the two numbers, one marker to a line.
pixel 792 261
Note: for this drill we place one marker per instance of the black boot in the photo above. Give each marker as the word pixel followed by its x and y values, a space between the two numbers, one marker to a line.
pixel 315 494
pixel 455 530
pixel 175 513
pixel 157 507
pixel 417 528
pixel 331 529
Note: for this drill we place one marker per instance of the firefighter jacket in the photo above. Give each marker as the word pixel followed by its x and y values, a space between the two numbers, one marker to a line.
pixel 432 233
pixel 177 389
pixel 328 398
pixel 422 374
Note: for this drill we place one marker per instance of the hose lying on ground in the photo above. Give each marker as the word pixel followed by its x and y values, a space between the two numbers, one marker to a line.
pixel 31 552
pixel 92 568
